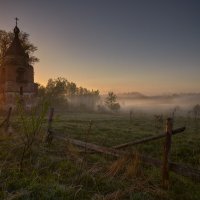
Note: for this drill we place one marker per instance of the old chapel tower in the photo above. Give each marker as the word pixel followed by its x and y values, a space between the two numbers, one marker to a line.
pixel 16 76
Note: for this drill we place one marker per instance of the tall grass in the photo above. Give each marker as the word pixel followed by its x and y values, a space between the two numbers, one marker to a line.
pixel 29 127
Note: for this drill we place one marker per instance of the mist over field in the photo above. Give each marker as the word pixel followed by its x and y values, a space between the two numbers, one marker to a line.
pixel 157 104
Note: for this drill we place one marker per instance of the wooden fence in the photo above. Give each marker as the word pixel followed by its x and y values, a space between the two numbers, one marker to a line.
pixel 165 164
pixel 119 150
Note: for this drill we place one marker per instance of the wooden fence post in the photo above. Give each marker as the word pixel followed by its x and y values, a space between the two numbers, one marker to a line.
pixel 166 152
pixel 8 119
pixel 49 136
pixel 6 122
pixel 131 116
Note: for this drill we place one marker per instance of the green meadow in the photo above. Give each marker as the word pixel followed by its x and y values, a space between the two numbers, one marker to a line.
pixel 60 170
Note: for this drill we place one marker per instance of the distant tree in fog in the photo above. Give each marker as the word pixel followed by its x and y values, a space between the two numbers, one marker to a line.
pixel 175 110
pixel 111 98
pixel 111 102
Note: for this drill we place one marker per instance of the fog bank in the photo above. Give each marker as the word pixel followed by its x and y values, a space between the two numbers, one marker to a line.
pixel 158 104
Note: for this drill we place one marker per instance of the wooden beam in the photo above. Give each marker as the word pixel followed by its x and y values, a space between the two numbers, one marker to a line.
pixel 148 139
pixel 185 170
pixel 94 147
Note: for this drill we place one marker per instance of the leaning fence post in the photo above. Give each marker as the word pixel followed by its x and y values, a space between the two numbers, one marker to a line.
pixel 6 122
pixel 166 151
pixel 49 136
pixel 131 115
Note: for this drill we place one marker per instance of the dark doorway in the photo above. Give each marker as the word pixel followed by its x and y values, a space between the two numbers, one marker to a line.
pixel 21 91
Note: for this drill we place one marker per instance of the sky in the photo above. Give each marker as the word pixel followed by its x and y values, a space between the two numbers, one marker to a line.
pixel 149 46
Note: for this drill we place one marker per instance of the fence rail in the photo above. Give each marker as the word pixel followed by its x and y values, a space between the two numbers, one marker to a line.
pixel 148 139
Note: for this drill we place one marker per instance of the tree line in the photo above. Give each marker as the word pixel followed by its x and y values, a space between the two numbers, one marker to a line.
pixel 64 94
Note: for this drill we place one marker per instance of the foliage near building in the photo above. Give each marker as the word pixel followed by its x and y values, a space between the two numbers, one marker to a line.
pixel 67 95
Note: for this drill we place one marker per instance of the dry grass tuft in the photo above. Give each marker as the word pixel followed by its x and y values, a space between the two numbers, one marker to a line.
pixel 116 195
pixel 117 167
pixel 128 165
pixel 133 166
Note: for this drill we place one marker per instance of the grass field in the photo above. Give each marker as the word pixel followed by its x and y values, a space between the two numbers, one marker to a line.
pixel 62 171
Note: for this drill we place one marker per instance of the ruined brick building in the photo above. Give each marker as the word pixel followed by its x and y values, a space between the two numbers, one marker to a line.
pixel 16 76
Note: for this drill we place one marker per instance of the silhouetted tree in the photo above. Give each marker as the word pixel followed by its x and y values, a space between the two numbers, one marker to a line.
pixel 7 37
pixel 71 89
pixel 111 102
pixel 56 87
pixel 56 92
